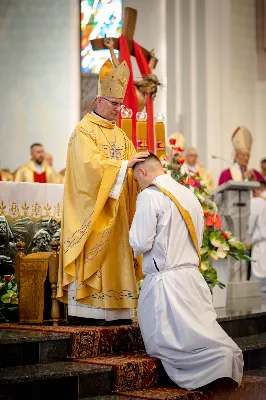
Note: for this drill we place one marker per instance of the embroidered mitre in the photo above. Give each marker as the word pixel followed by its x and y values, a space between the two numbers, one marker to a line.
pixel 113 81
pixel 242 140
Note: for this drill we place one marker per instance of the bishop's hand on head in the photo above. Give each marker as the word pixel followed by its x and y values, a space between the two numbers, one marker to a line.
pixel 137 157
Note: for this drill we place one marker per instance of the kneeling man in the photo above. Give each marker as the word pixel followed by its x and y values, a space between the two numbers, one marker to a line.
pixel 175 311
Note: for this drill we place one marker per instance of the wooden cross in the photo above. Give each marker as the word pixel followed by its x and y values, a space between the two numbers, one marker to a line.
pixel 128 30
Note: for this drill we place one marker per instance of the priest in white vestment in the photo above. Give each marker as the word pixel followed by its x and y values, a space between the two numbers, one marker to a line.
pixel 175 310
pixel 257 233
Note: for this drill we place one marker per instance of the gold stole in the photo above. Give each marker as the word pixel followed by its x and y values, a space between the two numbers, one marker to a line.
pixel 186 217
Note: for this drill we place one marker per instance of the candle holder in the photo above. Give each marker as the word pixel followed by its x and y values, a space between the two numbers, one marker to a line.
pixel 160 138
pixel 141 127
pixel 126 121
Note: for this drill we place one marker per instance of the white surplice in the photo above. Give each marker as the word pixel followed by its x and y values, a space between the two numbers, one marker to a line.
pixel 175 311
pixel 257 232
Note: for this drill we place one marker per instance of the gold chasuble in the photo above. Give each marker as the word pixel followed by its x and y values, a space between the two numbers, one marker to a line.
pixel 95 246
pixel 28 173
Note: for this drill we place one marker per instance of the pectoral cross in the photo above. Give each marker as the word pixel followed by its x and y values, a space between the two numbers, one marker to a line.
pixel 128 30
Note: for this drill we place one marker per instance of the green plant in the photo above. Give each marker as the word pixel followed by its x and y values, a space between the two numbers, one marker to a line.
pixel 8 297
pixel 217 244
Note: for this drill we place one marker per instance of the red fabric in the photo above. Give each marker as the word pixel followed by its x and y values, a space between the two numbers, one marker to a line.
pixel 0 177
pixel 145 70
pixel 130 99
pixel 39 178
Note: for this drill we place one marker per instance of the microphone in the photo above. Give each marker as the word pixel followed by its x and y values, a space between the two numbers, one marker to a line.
pixel 220 158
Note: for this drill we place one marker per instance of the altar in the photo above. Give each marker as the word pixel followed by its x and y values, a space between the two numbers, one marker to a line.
pixel 29 213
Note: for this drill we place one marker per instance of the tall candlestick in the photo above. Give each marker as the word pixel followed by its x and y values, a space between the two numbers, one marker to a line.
pixel 160 137
pixel 126 121
pixel 141 128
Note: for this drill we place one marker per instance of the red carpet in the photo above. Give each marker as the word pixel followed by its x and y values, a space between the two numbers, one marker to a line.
pixel 137 375
pixel 132 371
pixel 90 341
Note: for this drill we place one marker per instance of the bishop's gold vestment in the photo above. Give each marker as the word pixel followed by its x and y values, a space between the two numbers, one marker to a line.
pixel 95 246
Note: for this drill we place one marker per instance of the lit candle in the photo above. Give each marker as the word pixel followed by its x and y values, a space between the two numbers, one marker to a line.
pixel 126 121
pixel 141 128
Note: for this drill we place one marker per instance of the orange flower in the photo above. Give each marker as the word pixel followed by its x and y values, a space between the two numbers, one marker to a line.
pixel 206 213
pixel 189 181
pixel 172 141
pixel 181 160
pixel 215 220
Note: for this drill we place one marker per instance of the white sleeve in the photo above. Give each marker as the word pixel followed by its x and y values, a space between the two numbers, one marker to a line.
pixel 117 186
pixel 252 217
pixel 262 222
pixel 143 228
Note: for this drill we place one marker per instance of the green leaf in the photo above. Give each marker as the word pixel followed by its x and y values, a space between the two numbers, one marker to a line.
pixel 214 254
pixel 236 244
pixel 203 250
pixel 6 298
pixel 216 239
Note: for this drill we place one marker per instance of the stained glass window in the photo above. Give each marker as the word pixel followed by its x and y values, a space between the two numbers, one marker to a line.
pixel 99 18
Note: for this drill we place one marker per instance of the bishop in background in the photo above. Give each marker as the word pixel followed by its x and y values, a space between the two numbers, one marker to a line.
pixel 239 171
pixel 97 273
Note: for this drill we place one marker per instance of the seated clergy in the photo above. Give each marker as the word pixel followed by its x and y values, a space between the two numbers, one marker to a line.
pixel 242 142
pixel 195 167
pixel 36 170
pixel 175 311
pixel 5 175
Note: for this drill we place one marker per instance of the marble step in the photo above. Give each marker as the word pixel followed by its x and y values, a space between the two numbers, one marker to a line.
pixel 254 350
pixel 138 371
pixel 20 347
pixel 256 372
pixel 61 380
pixel 245 324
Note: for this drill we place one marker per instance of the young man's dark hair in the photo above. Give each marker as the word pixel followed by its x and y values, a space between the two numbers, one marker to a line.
pixel 35 144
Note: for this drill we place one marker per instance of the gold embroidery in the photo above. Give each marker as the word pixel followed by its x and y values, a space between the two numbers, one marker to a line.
pixel 36 211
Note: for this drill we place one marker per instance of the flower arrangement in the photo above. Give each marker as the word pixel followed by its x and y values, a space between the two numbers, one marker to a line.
pixel 8 298
pixel 216 242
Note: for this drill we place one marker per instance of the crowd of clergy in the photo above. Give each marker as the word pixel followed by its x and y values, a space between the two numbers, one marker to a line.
pixel 39 168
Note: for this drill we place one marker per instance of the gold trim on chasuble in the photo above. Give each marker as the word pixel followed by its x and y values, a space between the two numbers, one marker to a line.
pixel 186 217
pixel 99 244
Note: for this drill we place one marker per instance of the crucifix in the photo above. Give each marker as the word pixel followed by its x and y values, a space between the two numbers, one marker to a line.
pixel 128 30
pixel 149 83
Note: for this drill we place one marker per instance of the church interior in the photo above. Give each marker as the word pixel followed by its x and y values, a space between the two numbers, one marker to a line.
pixel 89 89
